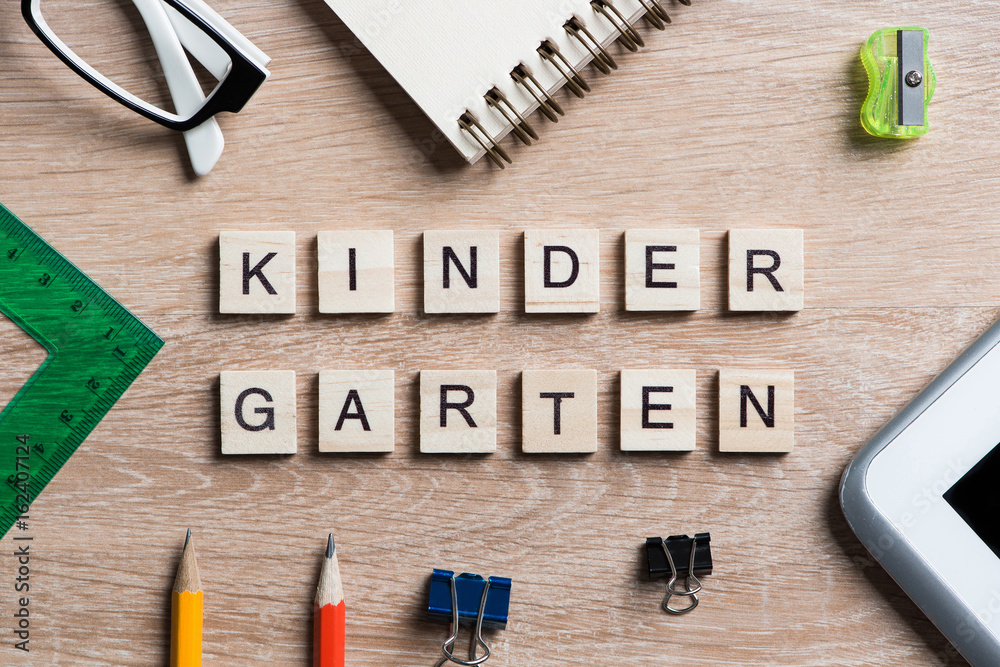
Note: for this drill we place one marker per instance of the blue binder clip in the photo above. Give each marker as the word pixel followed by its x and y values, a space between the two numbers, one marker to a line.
pixel 468 599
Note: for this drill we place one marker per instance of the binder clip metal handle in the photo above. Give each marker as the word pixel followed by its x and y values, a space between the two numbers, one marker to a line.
pixel 665 555
pixel 449 644
pixel 471 599
pixel 689 591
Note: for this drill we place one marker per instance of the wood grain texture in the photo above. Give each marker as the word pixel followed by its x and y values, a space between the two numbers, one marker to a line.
pixel 741 114
pixel 257 412
pixel 766 269
pixel 257 272
pixel 356 271
pixel 756 410
pixel 662 269
pixel 461 271
pixel 658 410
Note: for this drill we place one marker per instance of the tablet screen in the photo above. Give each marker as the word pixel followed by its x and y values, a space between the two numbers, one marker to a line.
pixel 976 497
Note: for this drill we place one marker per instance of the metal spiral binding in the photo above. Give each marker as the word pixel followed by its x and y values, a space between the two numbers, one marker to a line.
pixel 548 105
pixel 550 52
pixel 656 15
pixel 628 36
pixel 602 59
pixel 468 122
pixel 522 128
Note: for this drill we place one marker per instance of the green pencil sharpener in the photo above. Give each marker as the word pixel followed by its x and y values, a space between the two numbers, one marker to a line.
pixel 900 83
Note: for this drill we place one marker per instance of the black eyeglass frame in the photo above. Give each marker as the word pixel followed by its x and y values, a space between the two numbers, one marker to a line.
pixel 231 94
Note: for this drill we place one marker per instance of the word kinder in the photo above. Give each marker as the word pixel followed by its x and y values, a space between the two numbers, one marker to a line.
pixel 458 411
pixel 462 271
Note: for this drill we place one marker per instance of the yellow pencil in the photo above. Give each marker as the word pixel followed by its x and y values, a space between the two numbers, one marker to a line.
pixel 186 611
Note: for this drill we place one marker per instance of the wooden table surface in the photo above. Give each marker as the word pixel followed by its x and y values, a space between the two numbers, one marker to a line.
pixel 739 115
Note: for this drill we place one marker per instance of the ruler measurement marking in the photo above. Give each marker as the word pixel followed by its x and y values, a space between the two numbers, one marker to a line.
pixel 76 386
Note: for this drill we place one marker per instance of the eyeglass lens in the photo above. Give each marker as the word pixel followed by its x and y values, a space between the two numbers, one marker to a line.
pixel 123 50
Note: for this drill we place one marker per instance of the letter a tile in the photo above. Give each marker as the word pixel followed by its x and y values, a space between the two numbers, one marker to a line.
pixel 258 412
pixel 562 271
pixel 356 411
pixel 756 410
pixel 257 272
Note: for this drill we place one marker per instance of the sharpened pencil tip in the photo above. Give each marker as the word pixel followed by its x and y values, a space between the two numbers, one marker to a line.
pixel 187 539
pixel 330 546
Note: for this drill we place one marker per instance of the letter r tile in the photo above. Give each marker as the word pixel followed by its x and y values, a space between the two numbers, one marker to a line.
pixel 458 412
pixel 257 272
pixel 562 271
pixel 766 269
pixel 258 412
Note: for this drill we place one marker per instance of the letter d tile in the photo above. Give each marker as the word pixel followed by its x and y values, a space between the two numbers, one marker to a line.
pixel 562 271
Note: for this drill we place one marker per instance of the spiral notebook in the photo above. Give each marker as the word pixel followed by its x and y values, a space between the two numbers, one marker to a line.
pixel 480 68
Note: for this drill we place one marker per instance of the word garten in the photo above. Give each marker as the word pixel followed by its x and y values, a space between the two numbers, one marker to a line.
pixel 458 411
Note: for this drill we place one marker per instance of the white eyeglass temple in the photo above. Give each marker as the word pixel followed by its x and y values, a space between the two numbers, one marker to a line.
pixel 204 142
pixel 212 18
pixel 201 47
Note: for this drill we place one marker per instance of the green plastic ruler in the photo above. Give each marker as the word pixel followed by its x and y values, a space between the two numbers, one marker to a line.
pixel 96 348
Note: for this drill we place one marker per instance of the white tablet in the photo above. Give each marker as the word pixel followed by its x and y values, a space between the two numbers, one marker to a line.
pixel 924 497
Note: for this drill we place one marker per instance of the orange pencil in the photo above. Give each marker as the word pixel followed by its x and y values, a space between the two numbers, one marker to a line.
pixel 186 611
pixel 329 616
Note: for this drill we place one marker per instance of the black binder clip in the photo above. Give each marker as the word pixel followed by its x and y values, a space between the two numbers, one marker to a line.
pixel 694 555
pixel 468 599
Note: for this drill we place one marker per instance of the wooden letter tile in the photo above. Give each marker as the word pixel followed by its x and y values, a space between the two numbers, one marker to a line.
pixel 258 412
pixel 559 411
pixel 658 410
pixel 662 269
pixel 766 269
pixel 458 412
pixel 356 272
pixel 462 272
pixel 356 411
pixel 257 272
pixel 562 271
pixel 756 410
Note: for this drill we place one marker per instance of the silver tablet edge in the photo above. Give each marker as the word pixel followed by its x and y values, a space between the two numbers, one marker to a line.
pixel 965 630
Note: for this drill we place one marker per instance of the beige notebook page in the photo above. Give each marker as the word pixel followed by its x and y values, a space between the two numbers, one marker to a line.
pixel 447 54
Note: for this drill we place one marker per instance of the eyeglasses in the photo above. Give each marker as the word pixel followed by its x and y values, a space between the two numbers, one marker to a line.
pixel 175 28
